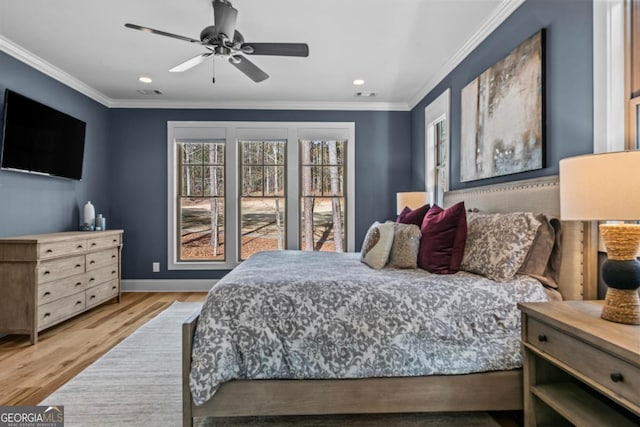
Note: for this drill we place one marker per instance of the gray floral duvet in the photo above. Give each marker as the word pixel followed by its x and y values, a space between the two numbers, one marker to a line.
pixel 291 314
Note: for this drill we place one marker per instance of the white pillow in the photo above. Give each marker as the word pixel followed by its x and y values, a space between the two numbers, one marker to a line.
pixel 377 245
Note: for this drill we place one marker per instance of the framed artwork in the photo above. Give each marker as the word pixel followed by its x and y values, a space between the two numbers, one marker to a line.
pixel 502 116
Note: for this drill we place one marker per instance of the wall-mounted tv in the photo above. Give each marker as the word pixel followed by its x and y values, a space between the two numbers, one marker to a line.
pixel 39 139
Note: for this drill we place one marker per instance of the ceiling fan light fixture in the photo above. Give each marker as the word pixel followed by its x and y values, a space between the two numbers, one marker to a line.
pixel 145 79
pixel 358 82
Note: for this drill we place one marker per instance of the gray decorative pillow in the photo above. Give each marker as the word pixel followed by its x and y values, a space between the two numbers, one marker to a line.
pixel 497 244
pixel 377 245
pixel 538 263
pixel 406 245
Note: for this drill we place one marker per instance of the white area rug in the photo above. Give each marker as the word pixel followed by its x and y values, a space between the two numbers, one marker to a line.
pixel 138 383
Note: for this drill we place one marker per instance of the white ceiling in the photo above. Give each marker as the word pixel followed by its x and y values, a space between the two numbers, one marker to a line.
pixel 400 48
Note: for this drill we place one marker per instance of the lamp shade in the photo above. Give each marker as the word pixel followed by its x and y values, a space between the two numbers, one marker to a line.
pixel 600 187
pixel 412 200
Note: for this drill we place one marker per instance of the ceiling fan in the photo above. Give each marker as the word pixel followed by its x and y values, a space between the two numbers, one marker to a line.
pixel 223 40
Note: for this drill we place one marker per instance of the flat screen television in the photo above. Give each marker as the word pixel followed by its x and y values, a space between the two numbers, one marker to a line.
pixel 39 139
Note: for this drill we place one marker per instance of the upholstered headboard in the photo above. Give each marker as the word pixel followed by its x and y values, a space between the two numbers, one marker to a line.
pixel 542 195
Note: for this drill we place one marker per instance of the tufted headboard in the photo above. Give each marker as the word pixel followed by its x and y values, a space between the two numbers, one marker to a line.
pixel 578 278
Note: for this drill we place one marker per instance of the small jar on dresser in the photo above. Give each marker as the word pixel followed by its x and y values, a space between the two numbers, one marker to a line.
pixel 579 368
pixel 48 278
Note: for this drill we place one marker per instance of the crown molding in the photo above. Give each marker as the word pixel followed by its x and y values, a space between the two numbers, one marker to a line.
pixel 262 105
pixel 23 55
pixel 502 12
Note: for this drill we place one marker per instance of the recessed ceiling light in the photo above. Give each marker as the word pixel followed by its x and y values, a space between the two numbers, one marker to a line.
pixel 358 82
pixel 144 79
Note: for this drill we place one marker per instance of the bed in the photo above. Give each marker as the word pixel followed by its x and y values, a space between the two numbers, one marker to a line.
pixel 419 388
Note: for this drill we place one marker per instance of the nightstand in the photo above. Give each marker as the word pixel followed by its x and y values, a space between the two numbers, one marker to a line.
pixel 579 368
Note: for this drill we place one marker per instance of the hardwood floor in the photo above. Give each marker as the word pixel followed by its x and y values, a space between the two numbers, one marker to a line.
pixel 29 373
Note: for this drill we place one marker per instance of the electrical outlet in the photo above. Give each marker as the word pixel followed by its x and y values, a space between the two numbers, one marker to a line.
pixel 156 267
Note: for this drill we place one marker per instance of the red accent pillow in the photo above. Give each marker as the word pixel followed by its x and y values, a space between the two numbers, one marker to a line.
pixel 416 216
pixel 444 233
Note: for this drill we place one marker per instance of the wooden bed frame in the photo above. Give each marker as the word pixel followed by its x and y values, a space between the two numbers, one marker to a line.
pixel 499 390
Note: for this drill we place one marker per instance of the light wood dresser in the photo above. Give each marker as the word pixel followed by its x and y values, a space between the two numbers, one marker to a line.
pixel 579 368
pixel 48 278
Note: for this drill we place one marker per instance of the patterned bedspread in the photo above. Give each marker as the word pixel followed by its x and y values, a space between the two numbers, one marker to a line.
pixel 292 314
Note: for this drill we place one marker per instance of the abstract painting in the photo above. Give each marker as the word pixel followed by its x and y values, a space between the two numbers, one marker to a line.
pixel 502 129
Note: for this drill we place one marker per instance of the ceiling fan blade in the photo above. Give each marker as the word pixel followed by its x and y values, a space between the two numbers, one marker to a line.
pixel 190 63
pixel 161 33
pixel 225 17
pixel 249 68
pixel 279 49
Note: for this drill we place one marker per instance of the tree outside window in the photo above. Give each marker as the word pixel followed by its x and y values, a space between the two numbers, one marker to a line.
pixel 322 191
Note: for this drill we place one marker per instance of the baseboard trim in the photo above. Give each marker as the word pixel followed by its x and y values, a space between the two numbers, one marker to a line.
pixel 168 285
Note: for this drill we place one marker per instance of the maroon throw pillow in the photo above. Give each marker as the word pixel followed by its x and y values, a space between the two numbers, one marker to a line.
pixel 416 216
pixel 444 233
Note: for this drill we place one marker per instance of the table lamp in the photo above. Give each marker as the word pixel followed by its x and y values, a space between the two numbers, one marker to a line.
pixel 412 200
pixel 606 187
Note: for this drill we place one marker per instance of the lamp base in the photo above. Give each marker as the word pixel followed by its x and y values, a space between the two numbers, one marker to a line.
pixel 622 306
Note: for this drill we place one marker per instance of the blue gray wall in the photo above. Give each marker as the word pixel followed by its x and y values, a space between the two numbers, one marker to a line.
pixel 569 85
pixel 139 161
pixel 125 155
pixel 35 204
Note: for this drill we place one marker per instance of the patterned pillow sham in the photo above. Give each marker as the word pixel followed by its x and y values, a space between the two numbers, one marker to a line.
pixel 497 244
pixel 406 245
pixel 377 245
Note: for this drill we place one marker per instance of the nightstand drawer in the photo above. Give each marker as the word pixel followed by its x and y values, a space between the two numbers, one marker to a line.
pixel 612 373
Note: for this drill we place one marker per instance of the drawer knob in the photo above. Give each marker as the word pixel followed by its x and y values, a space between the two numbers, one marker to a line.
pixel 542 338
pixel 92 297
pixel 46 315
pixel 79 247
pixel 46 272
pixel 78 266
pixel 49 251
pixel 114 288
pixel 617 377
pixel 78 302
pixel 46 294
pixel 113 256
pixel 93 244
pixel 78 284
pixel 92 279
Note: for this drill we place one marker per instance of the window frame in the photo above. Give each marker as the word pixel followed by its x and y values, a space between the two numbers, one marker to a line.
pixel 232 132
pixel 436 112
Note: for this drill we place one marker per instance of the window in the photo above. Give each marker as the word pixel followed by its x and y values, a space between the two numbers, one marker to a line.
pixel 323 198
pixel 262 196
pixel 201 200
pixel 236 188
pixel 437 148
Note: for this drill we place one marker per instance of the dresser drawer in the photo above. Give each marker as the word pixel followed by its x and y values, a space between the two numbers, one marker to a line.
pixel 57 289
pixel 101 293
pixel 104 242
pixel 60 309
pixel 620 377
pixel 49 271
pixel 102 258
pixel 102 274
pixel 56 249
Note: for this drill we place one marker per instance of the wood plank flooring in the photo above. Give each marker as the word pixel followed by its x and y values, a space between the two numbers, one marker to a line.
pixel 29 373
